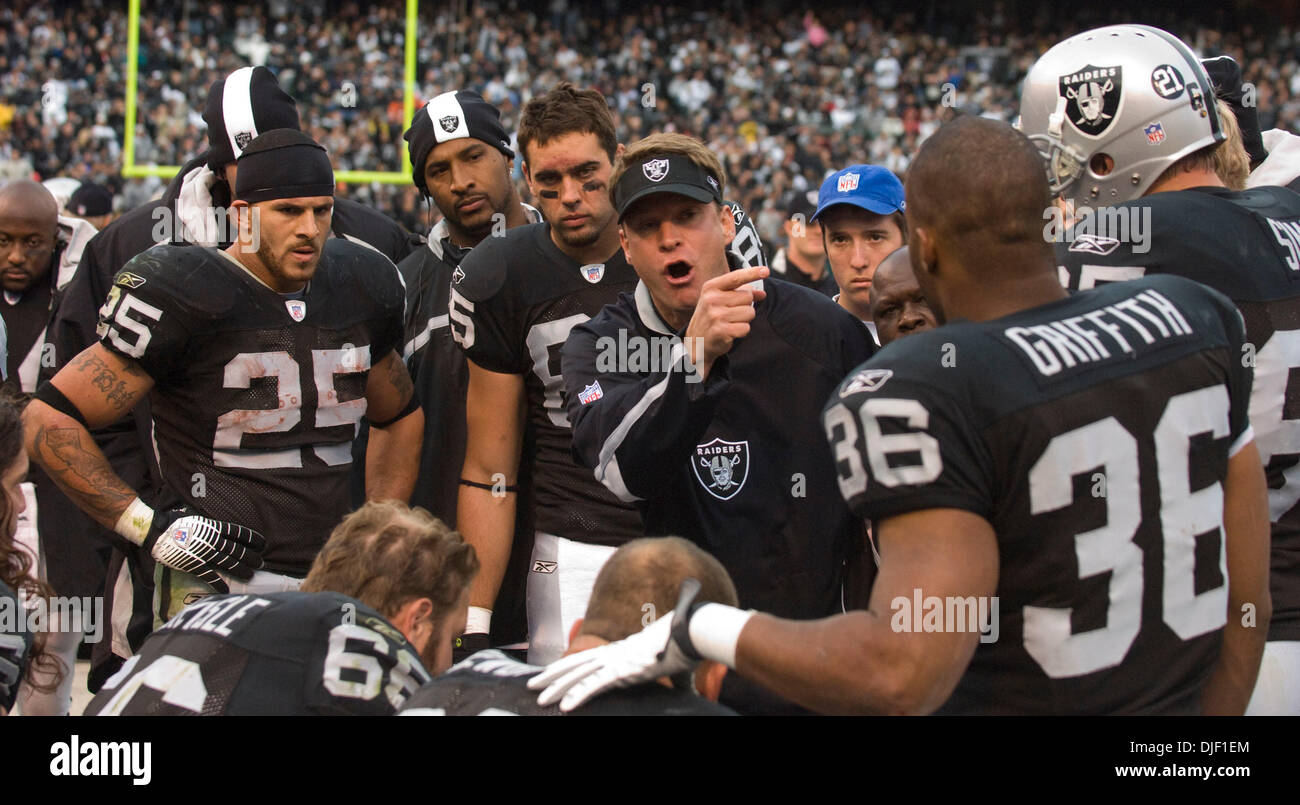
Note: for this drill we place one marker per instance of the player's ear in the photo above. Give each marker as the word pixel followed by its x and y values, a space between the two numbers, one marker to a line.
pixel 414 620
pixel 728 222
pixel 573 630
pixel 243 225
pixel 622 240
pixel 618 153
pixel 922 252
pixel 708 679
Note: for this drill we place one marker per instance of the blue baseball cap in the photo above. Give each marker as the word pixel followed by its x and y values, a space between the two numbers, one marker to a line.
pixel 870 187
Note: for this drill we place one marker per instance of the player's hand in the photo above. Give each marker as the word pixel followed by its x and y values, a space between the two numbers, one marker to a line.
pixel 467 644
pixel 201 546
pixel 662 649
pixel 722 314
pixel 11 653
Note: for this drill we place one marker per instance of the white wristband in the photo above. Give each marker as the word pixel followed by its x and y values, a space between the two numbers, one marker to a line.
pixel 479 621
pixel 135 521
pixel 715 630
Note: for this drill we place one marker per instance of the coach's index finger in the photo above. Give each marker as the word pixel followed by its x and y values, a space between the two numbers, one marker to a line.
pixel 734 279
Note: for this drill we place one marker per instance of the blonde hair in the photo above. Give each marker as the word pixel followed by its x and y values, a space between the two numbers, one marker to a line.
pixel 1231 162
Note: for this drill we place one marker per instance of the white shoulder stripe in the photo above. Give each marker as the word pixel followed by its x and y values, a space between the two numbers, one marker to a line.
pixel 607 469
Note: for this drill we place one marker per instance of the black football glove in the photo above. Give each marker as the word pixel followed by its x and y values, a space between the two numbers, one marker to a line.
pixel 468 644
pixel 186 541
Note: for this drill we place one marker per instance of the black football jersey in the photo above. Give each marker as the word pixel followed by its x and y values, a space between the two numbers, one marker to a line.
pixel 282 654
pixel 489 683
pixel 513 303
pixel 1246 245
pixel 1094 434
pixel 257 395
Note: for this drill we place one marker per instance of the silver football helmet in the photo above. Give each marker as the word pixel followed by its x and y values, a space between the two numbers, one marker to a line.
pixel 1134 93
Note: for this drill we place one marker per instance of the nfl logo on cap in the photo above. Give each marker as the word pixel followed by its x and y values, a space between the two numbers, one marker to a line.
pixel 848 182
pixel 297 309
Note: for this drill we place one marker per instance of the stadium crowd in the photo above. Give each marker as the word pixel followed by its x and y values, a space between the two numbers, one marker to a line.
pixel 784 95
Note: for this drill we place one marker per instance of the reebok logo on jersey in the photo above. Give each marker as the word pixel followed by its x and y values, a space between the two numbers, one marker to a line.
pixel 868 380
pixel 544 567
pixel 1094 244
pixel 128 280
pixel 722 467
pixel 655 170
pixel 591 393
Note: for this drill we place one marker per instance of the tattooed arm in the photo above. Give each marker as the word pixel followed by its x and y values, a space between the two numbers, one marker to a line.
pixel 393 453
pixel 104 387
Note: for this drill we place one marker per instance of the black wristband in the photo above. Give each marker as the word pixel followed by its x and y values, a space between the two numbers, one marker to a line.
pixel 489 487
pixel 49 394
pixel 411 405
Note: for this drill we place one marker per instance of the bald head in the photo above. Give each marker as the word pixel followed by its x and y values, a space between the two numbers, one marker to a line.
pixel 650 572
pixel 978 178
pixel 898 306
pixel 29 222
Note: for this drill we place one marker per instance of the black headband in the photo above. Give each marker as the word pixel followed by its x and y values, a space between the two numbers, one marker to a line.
pixel 284 163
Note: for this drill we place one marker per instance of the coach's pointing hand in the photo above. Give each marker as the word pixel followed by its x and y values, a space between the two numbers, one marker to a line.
pixel 723 314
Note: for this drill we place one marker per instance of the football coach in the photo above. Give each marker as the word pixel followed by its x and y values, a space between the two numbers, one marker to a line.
pixel 696 396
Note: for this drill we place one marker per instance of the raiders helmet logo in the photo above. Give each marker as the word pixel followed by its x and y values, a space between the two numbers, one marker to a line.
pixel 868 380
pixel 243 138
pixel 1093 95
pixel 655 170
pixel 721 467
pixel 449 123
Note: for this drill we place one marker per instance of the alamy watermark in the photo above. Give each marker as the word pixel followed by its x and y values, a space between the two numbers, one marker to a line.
pixel 84 615
pixel 1099 231
pixel 635 354
pixel 952 613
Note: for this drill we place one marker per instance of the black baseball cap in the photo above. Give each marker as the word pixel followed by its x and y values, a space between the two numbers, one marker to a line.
pixel 671 173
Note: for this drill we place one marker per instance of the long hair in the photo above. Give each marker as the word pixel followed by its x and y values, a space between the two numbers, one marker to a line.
pixel 15 563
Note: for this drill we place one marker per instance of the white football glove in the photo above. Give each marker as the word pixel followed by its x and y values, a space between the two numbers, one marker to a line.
pixel 199 545
pixel 661 649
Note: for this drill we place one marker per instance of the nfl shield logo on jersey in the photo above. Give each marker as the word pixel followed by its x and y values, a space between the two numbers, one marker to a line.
pixel 593 272
pixel 591 393
pixel 721 467
pixel 297 309
pixel 655 170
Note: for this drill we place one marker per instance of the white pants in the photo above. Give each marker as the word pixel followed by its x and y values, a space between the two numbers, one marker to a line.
pixel 182 589
pixel 1277 691
pixel 560 579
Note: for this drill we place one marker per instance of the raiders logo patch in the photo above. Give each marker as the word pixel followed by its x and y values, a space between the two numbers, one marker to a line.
pixel 866 380
pixel 655 170
pixel 721 467
pixel 449 123
pixel 128 280
pixel 1093 95
pixel 1094 244
pixel 242 139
